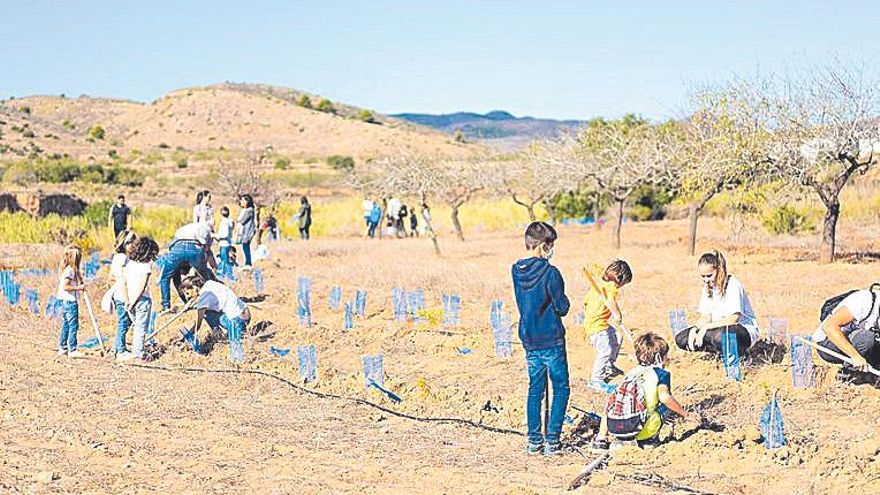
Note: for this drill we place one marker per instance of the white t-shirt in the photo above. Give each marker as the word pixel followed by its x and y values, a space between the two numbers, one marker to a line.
pixel 859 305
pixel 199 232
pixel 116 266
pixel 367 205
pixel 215 296
pixel 735 300
pixel 61 294
pixel 135 272
pixel 224 231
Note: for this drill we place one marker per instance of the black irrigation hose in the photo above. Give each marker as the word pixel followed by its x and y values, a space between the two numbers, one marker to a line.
pixel 458 421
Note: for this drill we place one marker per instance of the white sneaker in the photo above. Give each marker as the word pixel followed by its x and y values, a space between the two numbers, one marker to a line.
pixel 124 356
pixel 75 354
pixel 62 351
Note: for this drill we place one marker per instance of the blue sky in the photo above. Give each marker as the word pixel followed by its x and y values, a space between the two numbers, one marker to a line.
pixel 554 59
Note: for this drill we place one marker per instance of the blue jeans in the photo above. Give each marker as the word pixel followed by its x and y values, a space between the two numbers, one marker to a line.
pixel 141 324
pixel 69 325
pixel 224 254
pixel 123 322
pixel 372 231
pixel 246 247
pixel 539 363
pixel 234 327
pixel 180 252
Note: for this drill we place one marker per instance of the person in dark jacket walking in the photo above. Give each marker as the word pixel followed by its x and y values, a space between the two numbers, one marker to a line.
pixel 305 218
pixel 541 301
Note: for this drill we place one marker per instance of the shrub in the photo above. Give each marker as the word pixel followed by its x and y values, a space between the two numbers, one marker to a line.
pixel 787 219
pixel 341 163
pixel 325 105
pixel 25 110
pixel 304 101
pixel 458 137
pixel 28 133
pixel 366 116
pixel 96 132
pixel 68 125
pixel 95 214
pixel 113 154
pixel 164 146
pixel 182 163
pixel 649 203
pixel 282 164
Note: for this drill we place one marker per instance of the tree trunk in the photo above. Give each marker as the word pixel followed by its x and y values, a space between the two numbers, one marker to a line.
pixel 829 232
pixel 619 223
pixel 531 209
pixel 596 212
pixel 693 216
pixel 456 223
pixel 429 229
pixel 551 210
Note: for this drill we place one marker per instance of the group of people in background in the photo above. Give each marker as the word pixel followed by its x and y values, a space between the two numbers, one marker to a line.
pixel 637 408
pixel 400 221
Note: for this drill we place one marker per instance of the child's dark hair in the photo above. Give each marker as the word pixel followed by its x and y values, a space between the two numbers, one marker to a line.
pixel 248 200
pixel 224 211
pixel 201 195
pixel 618 272
pixel 143 250
pixel 649 347
pixel 539 233
pixel 120 197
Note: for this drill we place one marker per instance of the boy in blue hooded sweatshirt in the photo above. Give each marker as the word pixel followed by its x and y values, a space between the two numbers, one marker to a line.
pixel 541 301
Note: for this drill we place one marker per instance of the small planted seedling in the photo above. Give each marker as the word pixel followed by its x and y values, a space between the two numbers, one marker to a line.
pixel 677 321
pixel 451 310
pixel 13 294
pixel 225 271
pixel 307 356
pixel 801 363
pixel 7 281
pixel 93 342
pixel 416 300
pixel 495 313
pixel 348 317
pixel 772 426
pixel 398 299
pixel 503 334
pixel 33 301
pixel 258 280
pixel 373 371
pixel 303 301
pixel 579 319
pixel 236 347
pixel 777 330
pixel 730 356
pixel 335 298
pixel 360 303
pixel 53 307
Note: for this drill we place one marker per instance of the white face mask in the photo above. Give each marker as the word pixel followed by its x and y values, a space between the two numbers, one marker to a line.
pixel 658 361
pixel 548 253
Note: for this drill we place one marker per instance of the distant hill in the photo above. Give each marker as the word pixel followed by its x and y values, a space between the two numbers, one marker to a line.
pixel 497 124
pixel 194 122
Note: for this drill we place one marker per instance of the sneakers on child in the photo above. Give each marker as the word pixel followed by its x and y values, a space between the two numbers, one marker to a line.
pixel 75 354
pixel 534 448
pixel 552 449
pixel 124 356
pixel 62 351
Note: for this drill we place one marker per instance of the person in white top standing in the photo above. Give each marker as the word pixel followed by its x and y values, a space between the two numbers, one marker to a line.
pixel 203 211
pixel 724 307
pixel 141 253
pixel 224 234
pixel 119 291
pixel 70 284
pixel 852 329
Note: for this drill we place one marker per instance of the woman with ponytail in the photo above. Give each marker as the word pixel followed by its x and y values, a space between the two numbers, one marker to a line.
pixel 724 307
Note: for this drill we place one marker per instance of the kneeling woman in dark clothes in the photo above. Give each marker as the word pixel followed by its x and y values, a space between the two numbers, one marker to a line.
pixel 724 307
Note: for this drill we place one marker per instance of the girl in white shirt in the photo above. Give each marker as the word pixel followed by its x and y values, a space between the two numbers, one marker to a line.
pixel 141 253
pixel 203 211
pixel 70 284
pixel 852 329
pixel 118 291
pixel 724 307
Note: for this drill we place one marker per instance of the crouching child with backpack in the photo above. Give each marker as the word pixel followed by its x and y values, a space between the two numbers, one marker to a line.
pixel 643 401
pixel 850 325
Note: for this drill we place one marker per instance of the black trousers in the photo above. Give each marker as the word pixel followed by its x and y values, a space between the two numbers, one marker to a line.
pixel 712 340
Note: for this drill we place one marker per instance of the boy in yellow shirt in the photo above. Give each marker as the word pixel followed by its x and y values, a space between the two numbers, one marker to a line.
pixel 598 317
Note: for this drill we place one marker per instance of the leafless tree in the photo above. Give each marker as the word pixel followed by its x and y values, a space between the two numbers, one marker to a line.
pixel 244 175
pixel 823 129
pixel 533 177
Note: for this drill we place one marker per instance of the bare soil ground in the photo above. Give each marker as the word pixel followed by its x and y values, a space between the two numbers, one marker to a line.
pixel 89 426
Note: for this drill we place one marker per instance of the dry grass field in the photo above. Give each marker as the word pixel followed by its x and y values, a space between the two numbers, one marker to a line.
pixel 90 426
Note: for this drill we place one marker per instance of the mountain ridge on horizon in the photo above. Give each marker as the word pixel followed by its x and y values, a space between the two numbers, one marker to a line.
pixel 493 125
